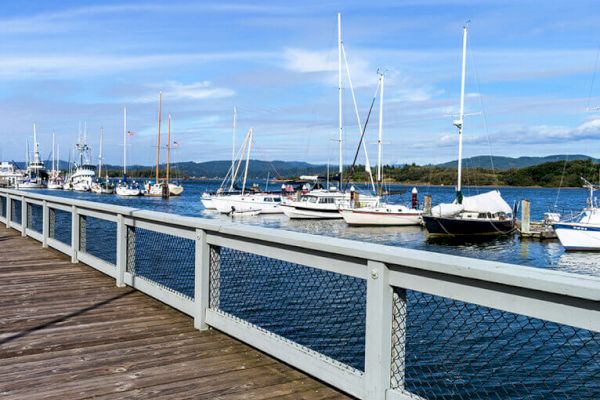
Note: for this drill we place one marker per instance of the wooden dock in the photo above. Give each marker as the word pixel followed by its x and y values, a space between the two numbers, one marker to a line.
pixel 67 332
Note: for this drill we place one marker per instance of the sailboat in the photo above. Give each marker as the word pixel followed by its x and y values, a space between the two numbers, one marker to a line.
pixel 325 203
pixel 247 203
pixel 36 176
pixel 55 180
pixel 102 185
pixel 207 197
pixel 125 187
pixel 175 188
pixel 483 214
pixel 381 214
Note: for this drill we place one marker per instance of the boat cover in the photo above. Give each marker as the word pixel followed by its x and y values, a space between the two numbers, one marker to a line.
pixel 490 202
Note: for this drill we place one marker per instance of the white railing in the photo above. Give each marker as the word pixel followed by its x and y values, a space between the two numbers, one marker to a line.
pixel 386 273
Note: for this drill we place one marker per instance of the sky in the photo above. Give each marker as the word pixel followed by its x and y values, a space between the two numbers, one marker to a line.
pixel 531 86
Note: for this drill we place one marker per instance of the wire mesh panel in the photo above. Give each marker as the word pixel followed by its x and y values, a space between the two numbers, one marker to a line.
pixel 98 237
pixel 35 217
pixel 162 258
pixel 321 310
pixel 3 206
pixel 15 214
pixel 457 350
pixel 60 225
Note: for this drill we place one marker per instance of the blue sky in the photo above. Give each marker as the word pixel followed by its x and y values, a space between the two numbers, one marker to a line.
pixel 530 76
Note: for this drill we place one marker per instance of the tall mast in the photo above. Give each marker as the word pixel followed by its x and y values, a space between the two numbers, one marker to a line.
pixel 158 137
pixel 380 136
pixel 57 159
pixel 53 154
pixel 340 121
pixel 100 154
pixel 124 142
pixel 233 140
pixel 247 160
pixel 461 116
pixel 169 149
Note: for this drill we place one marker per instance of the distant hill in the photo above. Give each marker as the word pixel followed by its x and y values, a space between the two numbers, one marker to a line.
pixel 504 163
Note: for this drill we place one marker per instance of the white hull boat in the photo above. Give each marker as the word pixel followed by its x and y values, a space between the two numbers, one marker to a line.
pixel 34 184
pixel 265 204
pixel 296 212
pixel 383 215
pixel 323 204
pixel 55 186
pixel 207 201
pixel 175 189
pixel 584 233
pixel 125 190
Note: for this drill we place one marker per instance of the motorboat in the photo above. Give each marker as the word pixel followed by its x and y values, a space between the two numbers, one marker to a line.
pixel 35 176
pixel 10 174
pixel 583 233
pixel 263 202
pixel 382 215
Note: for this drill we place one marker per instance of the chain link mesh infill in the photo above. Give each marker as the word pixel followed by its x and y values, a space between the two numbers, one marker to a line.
pixel 60 225
pixel 35 217
pixel 457 350
pixel 321 310
pixel 15 214
pixel 3 206
pixel 167 260
pixel 99 238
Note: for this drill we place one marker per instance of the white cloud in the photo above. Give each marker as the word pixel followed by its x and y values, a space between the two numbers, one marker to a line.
pixel 192 91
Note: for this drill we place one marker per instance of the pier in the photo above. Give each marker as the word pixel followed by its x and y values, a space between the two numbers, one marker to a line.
pixel 113 302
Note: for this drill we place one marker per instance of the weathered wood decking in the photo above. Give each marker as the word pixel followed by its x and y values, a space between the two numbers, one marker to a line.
pixel 67 332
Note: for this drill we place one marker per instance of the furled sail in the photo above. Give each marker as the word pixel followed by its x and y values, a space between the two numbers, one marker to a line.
pixel 489 202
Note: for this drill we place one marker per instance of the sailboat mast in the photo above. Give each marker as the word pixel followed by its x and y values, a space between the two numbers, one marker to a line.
pixel 247 160
pixel 169 150
pixel 340 121
pixel 100 155
pixel 158 136
pixel 233 142
pixel 461 116
pixel 380 135
pixel 53 154
pixel 124 142
pixel 57 159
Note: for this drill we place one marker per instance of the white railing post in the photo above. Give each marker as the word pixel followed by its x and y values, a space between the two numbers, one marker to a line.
pixel 74 234
pixel 45 223
pixel 121 250
pixel 378 340
pixel 23 216
pixel 202 279
pixel 8 210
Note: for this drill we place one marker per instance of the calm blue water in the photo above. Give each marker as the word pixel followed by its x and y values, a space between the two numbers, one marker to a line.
pixel 546 254
pixel 453 350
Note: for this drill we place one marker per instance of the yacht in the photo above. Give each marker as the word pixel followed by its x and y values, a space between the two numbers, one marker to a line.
pixel 36 176
pixel 483 214
pixel 10 174
pixel 584 232
pixel 262 203
pixel 85 173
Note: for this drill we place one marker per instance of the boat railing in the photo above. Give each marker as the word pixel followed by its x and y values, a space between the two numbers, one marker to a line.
pixel 375 321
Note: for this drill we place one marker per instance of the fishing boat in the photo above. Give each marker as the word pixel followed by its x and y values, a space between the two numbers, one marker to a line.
pixel 583 233
pixel 55 179
pixel 35 176
pixel 126 187
pixel 102 185
pixel 382 214
pixel 266 203
pixel 85 173
pixel 483 214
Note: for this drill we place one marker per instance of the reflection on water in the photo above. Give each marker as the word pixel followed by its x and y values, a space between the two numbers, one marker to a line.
pixel 546 254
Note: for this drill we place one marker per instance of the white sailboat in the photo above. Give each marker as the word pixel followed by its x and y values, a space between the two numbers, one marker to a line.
pixel 483 214
pixel 582 234
pixel 175 188
pixel 125 187
pixel 36 176
pixel 249 203
pixel 55 180
pixel 325 204
pixel 381 214
pixel 102 185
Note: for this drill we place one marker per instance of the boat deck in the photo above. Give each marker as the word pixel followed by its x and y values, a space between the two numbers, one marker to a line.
pixel 66 331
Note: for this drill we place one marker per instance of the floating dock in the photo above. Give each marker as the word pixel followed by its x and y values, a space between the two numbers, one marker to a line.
pixel 533 230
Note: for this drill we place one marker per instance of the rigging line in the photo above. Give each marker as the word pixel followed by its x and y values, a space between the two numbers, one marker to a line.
pixel 367 163
pixel 593 78
pixel 483 113
pixel 362 142
pixel 562 177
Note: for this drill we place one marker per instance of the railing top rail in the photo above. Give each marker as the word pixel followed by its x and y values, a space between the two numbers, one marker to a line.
pixel 555 282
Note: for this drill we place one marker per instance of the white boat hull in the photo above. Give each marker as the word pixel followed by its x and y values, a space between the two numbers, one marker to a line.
pixel 382 216
pixel 295 212
pixel 125 191
pixel 207 203
pixel 227 204
pixel 175 190
pixel 55 186
pixel 577 236
pixel 31 185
